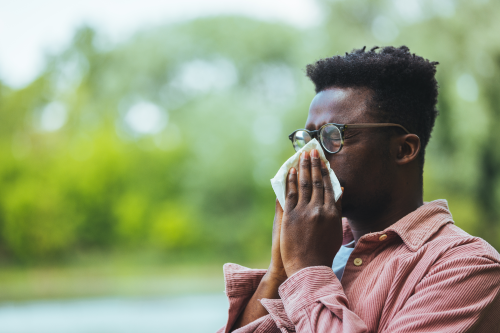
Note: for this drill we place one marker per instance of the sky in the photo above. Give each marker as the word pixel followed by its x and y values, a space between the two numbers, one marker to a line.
pixel 29 29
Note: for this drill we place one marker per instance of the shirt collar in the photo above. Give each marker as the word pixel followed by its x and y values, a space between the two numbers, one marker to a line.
pixel 415 228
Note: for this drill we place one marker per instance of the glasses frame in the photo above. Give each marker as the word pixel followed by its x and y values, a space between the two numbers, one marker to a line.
pixel 342 127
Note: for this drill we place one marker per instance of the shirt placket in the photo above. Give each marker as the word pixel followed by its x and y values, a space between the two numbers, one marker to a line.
pixel 361 257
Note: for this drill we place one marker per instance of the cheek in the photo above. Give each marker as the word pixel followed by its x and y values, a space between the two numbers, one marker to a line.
pixel 338 165
pixel 344 167
pixel 358 170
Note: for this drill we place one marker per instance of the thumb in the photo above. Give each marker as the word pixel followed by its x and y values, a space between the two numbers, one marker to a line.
pixel 278 210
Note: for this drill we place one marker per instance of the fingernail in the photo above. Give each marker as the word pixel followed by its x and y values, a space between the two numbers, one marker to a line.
pixel 314 154
pixel 305 155
pixel 293 171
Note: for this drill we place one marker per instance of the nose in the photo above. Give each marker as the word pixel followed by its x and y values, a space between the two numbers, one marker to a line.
pixel 317 137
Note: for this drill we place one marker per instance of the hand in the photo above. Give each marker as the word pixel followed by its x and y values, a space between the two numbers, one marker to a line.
pixel 268 286
pixel 276 269
pixel 311 229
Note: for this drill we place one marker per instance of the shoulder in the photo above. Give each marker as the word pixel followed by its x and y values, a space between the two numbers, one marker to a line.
pixel 453 242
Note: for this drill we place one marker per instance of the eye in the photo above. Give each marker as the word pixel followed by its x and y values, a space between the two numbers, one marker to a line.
pixel 350 134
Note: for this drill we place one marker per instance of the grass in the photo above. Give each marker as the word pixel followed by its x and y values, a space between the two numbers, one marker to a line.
pixel 111 276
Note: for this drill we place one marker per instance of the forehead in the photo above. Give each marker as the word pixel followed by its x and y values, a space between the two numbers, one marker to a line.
pixel 339 105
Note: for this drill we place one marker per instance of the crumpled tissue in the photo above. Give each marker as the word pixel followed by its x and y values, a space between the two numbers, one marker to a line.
pixel 279 181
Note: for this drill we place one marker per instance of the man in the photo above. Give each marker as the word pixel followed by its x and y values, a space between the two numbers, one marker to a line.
pixel 399 264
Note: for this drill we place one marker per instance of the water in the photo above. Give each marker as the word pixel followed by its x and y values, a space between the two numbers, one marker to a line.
pixel 189 313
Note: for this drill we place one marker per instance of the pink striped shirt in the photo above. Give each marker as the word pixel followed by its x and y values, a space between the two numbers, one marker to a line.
pixel 422 274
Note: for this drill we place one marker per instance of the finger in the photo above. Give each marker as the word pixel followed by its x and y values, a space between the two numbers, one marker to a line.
pixel 316 178
pixel 278 209
pixel 305 185
pixel 278 213
pixel 327 185
pixel 292 194
pixel 339 202
pixel 278 216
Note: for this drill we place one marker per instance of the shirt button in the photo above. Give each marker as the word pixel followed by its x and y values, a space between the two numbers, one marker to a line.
pixel 382 237
pixel 358 262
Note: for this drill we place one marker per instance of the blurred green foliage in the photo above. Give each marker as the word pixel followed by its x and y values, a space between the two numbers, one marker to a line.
pixel 77 176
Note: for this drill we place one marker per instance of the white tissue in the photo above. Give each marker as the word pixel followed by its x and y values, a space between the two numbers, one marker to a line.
pixel 279 181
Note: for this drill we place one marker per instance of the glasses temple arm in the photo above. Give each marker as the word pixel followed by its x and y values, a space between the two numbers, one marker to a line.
pixel 368 125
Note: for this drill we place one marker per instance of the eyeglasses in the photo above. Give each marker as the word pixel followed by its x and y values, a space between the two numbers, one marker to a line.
pixel 331 136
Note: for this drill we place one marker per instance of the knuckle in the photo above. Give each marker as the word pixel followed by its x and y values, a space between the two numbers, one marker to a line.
pixel 292 195
pixel 305 183
pixel 329 213
pixel 316 212
pixel 318 184
pixel 316 162
pixel 324 172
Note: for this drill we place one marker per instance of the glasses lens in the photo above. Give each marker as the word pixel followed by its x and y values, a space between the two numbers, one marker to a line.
pixel 300 139
pixel 331 138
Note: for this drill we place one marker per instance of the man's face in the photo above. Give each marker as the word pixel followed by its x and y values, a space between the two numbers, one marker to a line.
pixel 363 166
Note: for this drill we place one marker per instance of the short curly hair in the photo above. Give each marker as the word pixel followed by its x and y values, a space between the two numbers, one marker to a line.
pixel 404 87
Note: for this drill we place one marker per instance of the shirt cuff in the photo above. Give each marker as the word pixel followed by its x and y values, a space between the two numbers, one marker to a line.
pixel 277 311
pixel 308 286
pixel 241 281
pixel 263 324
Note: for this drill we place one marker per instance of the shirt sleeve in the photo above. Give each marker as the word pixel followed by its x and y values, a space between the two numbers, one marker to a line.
pixel 241 283
pixel 460 295
pixel 314 301
pixel 278 315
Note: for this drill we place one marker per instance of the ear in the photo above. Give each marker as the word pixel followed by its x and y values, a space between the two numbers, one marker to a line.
pixel 408 147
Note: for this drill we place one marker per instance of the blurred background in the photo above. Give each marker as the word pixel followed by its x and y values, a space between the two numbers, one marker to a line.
pixel 138 139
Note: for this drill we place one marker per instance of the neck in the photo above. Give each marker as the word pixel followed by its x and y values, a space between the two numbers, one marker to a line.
pixel 400 206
